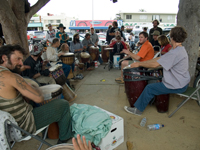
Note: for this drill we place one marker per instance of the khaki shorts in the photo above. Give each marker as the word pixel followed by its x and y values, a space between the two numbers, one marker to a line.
pixel 130 62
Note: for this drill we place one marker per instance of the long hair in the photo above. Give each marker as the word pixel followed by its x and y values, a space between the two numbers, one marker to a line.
pixel 8 50
pixel 74 38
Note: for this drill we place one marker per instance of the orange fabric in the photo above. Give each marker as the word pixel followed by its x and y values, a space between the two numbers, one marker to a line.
pixel 146 52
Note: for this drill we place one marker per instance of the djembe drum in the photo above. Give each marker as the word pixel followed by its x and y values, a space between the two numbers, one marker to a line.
pixel 94 52
pixel 69 59
pixel 85 57
pixel 59 76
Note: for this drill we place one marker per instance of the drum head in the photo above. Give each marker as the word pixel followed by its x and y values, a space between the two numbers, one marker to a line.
pixel 109 48
pixel 85 55
pixel 61 147
pixel 68 54
pixel 93 47
pixel 53 68
pixel 50 88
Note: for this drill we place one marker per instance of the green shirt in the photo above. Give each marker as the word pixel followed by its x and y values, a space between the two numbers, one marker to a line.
pixel 63 37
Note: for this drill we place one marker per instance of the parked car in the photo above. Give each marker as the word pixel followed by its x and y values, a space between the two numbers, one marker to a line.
pixel 166 31
pixel 36 36
pixel 101 36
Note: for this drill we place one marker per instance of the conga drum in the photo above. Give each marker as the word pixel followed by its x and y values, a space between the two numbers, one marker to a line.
pixel 94 52
pixel 135 82
pixel 59 76
pixel 69 59
pixel 61 147
pixel 51 92
pixel 105 53
pixel 161 101
pixel 85 57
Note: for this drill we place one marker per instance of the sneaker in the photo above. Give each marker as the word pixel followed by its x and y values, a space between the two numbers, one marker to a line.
pixel 119 79
pixel 133 110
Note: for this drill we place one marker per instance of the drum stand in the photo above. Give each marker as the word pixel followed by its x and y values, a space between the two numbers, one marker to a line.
pixel 109 64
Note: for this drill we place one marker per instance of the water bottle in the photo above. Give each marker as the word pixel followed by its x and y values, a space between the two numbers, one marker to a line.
pixel 155 126
pixel 143 122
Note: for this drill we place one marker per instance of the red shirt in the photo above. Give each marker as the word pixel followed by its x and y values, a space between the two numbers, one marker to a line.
pixel 166 48
pixel 113 43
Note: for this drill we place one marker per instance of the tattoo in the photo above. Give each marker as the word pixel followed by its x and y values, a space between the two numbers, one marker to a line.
pixel 22 84
pixel 2 84
pixel 1 75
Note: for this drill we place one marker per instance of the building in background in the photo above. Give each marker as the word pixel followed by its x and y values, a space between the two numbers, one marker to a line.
pixel 99 25
pixel 144 19
pixel 35 24
pixel 41 23
pixel 55 20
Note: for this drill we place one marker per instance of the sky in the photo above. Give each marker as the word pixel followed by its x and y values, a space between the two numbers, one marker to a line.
pixel 105 9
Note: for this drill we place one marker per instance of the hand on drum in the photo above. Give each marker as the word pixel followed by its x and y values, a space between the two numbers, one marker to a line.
pixel 126 51
pixel 135 65
pixel 60 54
pixel 81 145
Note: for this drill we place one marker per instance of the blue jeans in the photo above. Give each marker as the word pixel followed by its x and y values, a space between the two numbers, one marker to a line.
pixel 66 68
pixel 154 89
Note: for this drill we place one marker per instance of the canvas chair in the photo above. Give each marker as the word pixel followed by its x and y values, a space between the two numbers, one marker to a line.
pixel 8 125
pixel 190 93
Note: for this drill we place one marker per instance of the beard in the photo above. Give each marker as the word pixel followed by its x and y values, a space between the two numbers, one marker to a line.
pixel 16 69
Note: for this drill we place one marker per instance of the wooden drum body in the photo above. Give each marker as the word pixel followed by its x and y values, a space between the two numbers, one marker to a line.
pixel 94 52
pixel 134 85
pixel 161 101
pixel 68 58
pixel 58 74
pixel 105 53
pixel 85 57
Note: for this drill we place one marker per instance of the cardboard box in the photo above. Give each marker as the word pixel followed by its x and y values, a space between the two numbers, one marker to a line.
pixel 116 134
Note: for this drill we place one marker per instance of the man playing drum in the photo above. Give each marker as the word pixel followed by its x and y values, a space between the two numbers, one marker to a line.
pixel 146 53
pixel 175 72
pixel 87 42
pixel 118 47
pixel 12 89
pixel 53 56
pixel 37 69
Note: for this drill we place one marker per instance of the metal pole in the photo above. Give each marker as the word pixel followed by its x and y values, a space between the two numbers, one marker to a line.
pixel 92 13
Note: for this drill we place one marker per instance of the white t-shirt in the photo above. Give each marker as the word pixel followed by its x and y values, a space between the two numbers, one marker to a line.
pixel 50 35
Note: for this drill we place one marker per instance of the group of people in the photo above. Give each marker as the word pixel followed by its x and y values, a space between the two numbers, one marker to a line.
pixel 14 88
pixel 173 60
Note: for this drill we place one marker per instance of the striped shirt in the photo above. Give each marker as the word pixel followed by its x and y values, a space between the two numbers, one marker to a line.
pixel 20 110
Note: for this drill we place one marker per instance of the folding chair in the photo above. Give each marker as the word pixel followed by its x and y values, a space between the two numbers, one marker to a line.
pixel 8 124
pixel 158 54
pixel 192 93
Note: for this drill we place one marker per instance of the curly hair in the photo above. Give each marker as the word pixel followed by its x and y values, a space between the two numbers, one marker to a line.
pixel 8 50
pixel 178 34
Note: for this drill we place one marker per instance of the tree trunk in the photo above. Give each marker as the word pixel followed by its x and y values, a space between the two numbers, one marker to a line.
pixel 14 20
pixel 189 18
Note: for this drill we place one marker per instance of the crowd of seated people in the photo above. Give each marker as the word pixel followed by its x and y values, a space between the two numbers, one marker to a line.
pixel 36 67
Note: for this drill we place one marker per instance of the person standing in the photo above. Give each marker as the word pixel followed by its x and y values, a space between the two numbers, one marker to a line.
pixel 94 37
pixel 155 27
pixel 122 33
pixel 114 29
pixel 108 37
pixel 62 35
pixel 51 34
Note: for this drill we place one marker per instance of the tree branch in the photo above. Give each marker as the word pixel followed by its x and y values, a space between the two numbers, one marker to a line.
pixel 35 8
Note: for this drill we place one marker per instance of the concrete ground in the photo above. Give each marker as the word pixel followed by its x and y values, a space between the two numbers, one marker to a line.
pixel 181 131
